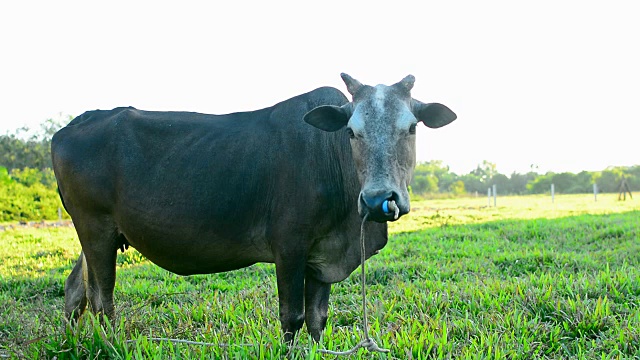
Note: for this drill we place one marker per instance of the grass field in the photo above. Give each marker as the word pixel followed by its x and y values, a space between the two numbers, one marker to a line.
pixel 458 280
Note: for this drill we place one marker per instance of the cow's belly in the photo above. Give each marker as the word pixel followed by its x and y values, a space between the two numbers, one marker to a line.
pixel 204 253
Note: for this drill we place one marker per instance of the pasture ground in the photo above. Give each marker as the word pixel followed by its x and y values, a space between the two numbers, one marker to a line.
pixel 458 280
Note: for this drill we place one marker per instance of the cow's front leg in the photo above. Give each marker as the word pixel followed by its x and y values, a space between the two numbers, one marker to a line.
pixel 316 305
pixel 290 274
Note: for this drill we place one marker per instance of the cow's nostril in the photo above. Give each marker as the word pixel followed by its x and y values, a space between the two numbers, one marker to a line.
pixel 390 203
pixel 373 200
pixel 390 207
pixel 380 205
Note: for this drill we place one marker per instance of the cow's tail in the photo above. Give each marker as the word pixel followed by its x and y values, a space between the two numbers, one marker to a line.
pixel 62 200
pixel 85 274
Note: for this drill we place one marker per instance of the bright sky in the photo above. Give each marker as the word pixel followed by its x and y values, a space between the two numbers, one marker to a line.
pixel 551 83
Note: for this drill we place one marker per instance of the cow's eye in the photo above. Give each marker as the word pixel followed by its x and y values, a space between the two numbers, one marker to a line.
pixel 412 129
pixel 350 132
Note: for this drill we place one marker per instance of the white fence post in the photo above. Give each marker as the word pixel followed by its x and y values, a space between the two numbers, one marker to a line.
pixel 495 195
pixel 553 194
pixel 595 192
pixel 489 196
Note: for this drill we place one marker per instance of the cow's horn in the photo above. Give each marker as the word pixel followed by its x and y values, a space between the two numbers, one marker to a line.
pixel 353 85
pixel 407 82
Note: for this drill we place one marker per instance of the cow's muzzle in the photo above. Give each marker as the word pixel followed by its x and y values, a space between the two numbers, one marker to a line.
pixel 381 206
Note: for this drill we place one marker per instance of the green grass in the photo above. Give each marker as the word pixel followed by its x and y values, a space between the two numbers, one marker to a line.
pixel 458 280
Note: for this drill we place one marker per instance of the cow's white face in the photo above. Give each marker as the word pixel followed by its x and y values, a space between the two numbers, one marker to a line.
pixel 381 122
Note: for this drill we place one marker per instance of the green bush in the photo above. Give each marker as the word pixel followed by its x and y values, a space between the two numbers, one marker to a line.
pixel 28 203
pixel 5 179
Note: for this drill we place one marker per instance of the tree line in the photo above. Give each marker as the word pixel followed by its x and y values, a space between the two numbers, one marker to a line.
pixel 25 161
pixel 434 177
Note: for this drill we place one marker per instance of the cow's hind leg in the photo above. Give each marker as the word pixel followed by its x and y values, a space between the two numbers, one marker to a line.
pixel 316 305
pixel 99 239
pixel 75 293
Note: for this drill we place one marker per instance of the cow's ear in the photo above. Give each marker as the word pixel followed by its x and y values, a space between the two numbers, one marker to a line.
pixel 433 115
pixel 328 117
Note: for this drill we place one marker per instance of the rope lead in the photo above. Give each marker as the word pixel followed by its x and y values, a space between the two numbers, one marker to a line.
pixel 367 343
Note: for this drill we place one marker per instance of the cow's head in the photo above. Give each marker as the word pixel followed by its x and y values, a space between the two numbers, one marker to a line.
pixel 381 121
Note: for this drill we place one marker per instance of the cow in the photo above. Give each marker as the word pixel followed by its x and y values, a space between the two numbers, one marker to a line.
pixel 200 194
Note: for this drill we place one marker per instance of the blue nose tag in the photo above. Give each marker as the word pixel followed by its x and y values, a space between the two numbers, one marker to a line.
pixel 385 206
